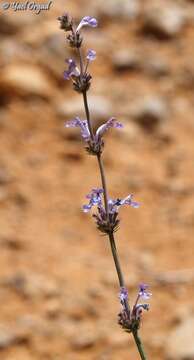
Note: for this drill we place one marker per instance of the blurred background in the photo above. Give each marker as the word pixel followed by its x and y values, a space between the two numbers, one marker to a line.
pixel 58 286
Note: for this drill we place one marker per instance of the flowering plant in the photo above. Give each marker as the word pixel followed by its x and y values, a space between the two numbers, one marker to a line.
pixel 106 216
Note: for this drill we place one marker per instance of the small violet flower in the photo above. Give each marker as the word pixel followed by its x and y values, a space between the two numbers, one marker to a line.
pixel 123 295
pixel 138 308
pixel 127 201
pixel 112 122
pixel 82 124
pixel 87 21
pixel 130 320
pixel 95 198
pixel 85 133
pixel 143 293
pixel 106 224
pixel 72 70
pixel 91 55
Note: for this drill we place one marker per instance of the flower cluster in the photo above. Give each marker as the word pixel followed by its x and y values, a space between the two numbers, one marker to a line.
pixel 66 24
pixel 80 77
pixel 95 144
pixel 131 321
pixel 107 222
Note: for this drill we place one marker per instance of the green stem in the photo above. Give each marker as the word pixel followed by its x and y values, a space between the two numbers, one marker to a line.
pixel 105 192
pixel 111 235
pixel 116 260
pixel 103 179
pixel 87 114
pixel 84 93
pixel 139 345
pixel 81 61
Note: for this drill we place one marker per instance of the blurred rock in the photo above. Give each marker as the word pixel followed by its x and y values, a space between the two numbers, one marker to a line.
pixel 31 285
pixel 25 80
pixel 80 308
pixel 51 55
pixel 185 77
pixel 117 339
pixel 11 23
pixel 34 324
pixel 100 108
pixel 9 337
pixel 150 112
pixel 156 66
pixel 125 59
pixel 21 199
pixel 11 49
pixel 109 278
pixel 83 340
pixel 20 353
pixel 179 343
pixel 131 132
pixel 5 177
pixel 183 312
pixel 7 25
pixel 116 8
pixel 96 291
pixel 4 195
pixel 12 243
pixel 163 21
pixel 53 309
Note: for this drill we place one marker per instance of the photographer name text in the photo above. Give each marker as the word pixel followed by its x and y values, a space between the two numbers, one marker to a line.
pixel 27 6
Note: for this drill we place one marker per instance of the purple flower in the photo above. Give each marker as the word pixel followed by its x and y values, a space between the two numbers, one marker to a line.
pixel 72 69
pixel 127 201
pixel 138 308
pixel 95 198
pixel 130 319
pixel 82 124
pixel 87 21
pixel 85 133
pixel 116 204
pixel 113 205
pixel 123 295
pixel 143 293
pixel 112 122
pixel 91 55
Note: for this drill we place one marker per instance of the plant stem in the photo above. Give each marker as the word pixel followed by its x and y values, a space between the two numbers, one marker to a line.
pixel 139 345
pixel 116 260
pixel 103 179
pixel 81 61
pixel 111 235
pixel 88 114
pixel 84 93
pixel 105 193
